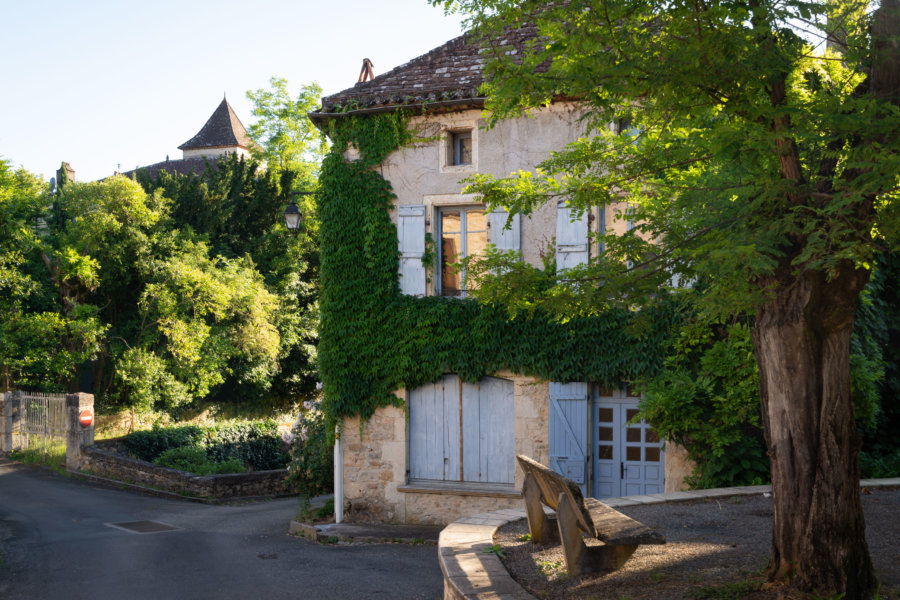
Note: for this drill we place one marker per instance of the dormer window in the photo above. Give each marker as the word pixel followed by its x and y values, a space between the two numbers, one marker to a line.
pixel 460 150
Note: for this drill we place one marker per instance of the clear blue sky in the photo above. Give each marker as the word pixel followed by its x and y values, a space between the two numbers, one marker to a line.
pixel 105 83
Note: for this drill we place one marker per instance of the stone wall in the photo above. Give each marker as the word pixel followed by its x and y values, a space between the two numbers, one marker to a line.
pixel 376 464
pixel 109 464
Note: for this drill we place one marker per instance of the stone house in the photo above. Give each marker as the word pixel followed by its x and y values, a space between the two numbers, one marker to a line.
pixel 450 451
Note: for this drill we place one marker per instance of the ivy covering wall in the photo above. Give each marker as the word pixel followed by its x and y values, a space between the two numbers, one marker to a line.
pixel 373 340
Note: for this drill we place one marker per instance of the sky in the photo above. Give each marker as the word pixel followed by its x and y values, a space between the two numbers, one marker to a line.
pixel 112 85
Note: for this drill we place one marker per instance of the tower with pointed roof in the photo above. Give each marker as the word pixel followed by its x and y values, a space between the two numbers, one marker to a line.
pixel 222 134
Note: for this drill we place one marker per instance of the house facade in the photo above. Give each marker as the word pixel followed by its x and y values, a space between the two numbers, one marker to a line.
pixel 447 448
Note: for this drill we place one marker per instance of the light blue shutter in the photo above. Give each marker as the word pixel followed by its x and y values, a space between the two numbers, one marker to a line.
pixel 434 430
pixel 569 431
pixel 569 401
pixel 505 239
pixel 571 237
pixel 411 242
pixel 488 431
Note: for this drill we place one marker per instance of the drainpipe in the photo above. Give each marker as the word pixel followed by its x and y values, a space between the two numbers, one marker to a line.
pixel 338 476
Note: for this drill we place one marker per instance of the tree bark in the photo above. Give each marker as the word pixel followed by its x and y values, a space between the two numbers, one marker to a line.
pixel 802 342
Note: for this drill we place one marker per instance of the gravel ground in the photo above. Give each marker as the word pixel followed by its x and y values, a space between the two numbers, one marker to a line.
pixel 722 544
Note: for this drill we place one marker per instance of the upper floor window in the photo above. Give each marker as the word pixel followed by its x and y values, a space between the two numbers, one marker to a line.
pixel 460 150
pixel 462 232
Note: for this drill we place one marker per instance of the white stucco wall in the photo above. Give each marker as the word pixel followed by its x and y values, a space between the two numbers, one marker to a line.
pixel 214 152
pixel 421 175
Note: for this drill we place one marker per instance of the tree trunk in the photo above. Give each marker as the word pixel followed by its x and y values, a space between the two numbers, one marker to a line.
pixel 802 342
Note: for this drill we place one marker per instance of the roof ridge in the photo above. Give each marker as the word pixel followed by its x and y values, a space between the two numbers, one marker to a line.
pixel 449 75
pixel 223 128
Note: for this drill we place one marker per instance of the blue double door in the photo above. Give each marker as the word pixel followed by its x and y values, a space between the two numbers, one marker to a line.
pixel 597 441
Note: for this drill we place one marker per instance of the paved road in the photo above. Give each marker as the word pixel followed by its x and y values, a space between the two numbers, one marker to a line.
pixel 55 543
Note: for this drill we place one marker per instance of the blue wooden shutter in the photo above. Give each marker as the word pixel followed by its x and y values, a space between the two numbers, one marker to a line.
pixel 411 242
pixel 488 411
pixel 505 239
pixel 571 237
pixel 569 431
pixel 434 430
pixel 569 401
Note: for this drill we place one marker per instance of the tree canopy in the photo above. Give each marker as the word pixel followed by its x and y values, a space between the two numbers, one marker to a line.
pixel 755 149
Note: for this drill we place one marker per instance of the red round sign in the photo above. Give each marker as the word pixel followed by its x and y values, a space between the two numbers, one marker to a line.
pixel 86 418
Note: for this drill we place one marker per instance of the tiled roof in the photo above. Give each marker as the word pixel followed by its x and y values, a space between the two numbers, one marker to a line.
pixel 222 129
pixel 448 75
pixel 183 166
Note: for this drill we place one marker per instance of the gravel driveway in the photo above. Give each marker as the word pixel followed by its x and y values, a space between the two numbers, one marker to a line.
pixel 725 542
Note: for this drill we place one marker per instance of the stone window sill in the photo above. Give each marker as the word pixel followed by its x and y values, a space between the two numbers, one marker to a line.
pixel 460 489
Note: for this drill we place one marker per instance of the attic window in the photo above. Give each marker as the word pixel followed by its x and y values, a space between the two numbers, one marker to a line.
pixel 460 150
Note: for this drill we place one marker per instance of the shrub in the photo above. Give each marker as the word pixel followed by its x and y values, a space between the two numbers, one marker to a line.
pixel 193 459
pixel 311 471
pixel 148 445
pixel 256 444
pixel 706 398
pixel 874 466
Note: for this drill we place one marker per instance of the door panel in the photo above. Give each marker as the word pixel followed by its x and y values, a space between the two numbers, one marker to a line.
pixel 628 458
pixel 569 431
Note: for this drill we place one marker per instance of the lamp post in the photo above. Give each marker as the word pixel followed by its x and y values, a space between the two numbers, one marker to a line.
pixel 292 214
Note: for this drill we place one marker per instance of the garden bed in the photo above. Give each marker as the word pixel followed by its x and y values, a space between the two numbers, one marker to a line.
pixel 113 465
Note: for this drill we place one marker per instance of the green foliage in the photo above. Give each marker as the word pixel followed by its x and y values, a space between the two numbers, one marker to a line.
pixel 255 445
pixel 706 398
pixel 266 356
pixel 194 459
pixel 148 445
pixel 879 464
pixel 311 470
pixel 40 346
pixel 375 340
pixel 288 138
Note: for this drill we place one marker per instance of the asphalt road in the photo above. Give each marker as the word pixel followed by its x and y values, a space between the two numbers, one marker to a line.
pixel 56 542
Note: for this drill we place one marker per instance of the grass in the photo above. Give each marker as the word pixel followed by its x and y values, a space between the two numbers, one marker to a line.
pixel 52 456
pixel 307 513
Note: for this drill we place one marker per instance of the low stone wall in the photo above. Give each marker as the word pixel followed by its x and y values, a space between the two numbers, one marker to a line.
pixel 105 463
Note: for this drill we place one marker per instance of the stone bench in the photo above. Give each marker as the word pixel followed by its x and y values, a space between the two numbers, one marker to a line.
pixel 576 515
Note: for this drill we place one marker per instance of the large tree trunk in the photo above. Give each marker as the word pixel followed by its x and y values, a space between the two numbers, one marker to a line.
pixel 802 342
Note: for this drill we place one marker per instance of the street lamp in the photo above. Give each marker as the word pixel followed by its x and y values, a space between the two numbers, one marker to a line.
pixel 292 214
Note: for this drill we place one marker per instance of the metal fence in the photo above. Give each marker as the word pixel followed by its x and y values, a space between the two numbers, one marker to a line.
pixel 41 425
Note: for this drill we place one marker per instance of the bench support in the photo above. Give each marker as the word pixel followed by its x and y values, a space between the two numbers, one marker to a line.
pixel 579 557
pixel 541 529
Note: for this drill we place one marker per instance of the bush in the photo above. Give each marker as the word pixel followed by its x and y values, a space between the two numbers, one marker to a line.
pixel 194 459
pixel 311 471
pixel 872 466
pixel 706 399
pixel 256 444
pixel 148 445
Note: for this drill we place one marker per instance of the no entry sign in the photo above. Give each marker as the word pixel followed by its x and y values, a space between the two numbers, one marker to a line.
pixel 86 418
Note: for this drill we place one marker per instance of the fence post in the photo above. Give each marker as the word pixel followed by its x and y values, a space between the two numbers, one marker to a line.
pixel 77 436
pixel 6 422
pixel 11 436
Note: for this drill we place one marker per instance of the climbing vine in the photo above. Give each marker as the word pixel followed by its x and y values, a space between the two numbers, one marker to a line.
pixel 375 340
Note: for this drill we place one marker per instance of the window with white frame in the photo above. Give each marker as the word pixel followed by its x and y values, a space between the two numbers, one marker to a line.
pixel 461 232
pixel 462 432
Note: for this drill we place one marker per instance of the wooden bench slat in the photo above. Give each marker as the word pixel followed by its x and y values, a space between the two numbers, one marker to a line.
pixel 614 528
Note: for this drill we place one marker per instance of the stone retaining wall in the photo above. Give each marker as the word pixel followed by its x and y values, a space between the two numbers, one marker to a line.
pixel 105 463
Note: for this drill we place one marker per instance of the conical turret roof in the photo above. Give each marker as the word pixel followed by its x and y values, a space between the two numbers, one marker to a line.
pixel 222 129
